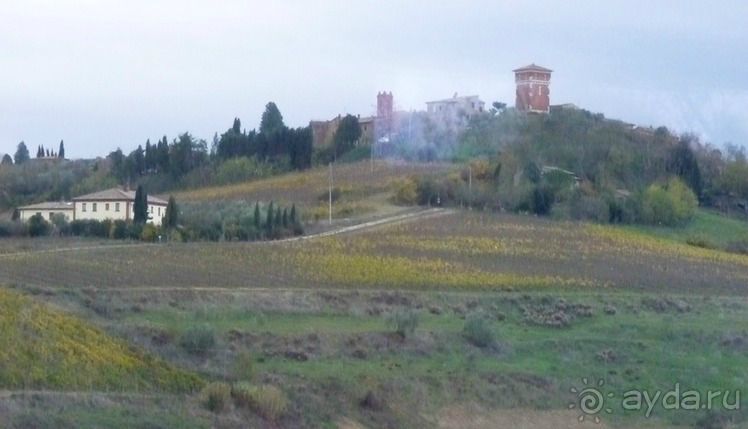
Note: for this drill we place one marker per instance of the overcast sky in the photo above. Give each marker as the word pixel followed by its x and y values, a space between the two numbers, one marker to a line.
pixel 106 74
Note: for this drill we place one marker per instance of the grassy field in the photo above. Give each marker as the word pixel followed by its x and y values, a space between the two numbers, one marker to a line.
pixel 330 351
pixel 558 302
pixel 707 228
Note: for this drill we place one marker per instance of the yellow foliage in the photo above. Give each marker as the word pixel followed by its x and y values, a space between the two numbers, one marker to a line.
pixel 44 348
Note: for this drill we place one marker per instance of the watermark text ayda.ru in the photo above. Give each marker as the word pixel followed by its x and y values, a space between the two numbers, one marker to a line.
pixel 594 400
pixel 679 399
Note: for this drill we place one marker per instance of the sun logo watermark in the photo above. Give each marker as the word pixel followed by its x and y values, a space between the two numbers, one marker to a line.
pixel 590 400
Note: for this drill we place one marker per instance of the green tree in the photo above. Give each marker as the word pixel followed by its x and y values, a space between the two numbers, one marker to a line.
pixel 272 120
pixel 269 220
pixel 683 163
pixel 285 218
pixel 22 153
pixel 533 172
pixel 140 206
pixel 171 218
pixel 186 154
pixel 671 204
pixel 7 160
pixel 278 218
pixel 347 134
pixel 61 151
pixel 292 215
pixel 257 219
pixel 38 226
pixel 498 107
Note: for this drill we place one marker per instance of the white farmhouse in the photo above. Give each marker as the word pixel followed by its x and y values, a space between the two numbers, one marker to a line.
pixel 112 204
pixel 115 204
pixel 47 210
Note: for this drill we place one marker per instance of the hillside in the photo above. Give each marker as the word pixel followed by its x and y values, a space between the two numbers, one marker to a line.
pixel 43 348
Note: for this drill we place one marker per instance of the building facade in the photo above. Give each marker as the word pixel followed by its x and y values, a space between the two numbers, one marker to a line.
pixel 115 204
pixel 47 211
pixel 111 204
pixel 373 128
pixel 533 89
pixel 456 107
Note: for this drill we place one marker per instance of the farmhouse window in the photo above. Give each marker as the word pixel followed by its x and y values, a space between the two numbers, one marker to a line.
pixel 93 207
pixel 106 207
pixel 84 206
pixel 116 207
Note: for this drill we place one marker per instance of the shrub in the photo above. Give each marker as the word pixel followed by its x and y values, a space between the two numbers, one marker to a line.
pixel 215 396
pixel 149 232
pixel 12 229
pixel 198 340
pixel 541 200
pixel 586 207
pixel 244 367
pixel 90 228
pixel 403 321
pixel 671 204
pixel 477 330
pixel 241 169
pixel 118 230
pixel 268 401
pixel 700 240
pixel 60 222
pixel 242 393
pixel 38 226
pixel 406 192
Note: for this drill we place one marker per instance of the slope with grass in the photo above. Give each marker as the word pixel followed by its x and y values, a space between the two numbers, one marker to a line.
pixel 43 348
pixel 707 229
pixel 353 182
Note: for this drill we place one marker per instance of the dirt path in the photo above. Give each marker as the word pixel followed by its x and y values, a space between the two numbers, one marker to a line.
pixel 367 225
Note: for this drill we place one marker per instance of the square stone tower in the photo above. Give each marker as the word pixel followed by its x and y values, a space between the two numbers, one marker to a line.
pixel 533 93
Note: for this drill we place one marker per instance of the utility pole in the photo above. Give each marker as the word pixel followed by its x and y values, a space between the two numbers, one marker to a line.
pixel 470 186
pixel 330 197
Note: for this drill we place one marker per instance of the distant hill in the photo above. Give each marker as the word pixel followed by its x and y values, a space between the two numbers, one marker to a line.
pixel 609 153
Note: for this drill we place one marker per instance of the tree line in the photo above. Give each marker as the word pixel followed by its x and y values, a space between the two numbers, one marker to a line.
pixel 273 143
pixel 22 154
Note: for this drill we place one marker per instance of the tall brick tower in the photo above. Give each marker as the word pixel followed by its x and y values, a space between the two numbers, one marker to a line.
pixel 532 88
pixel 385 111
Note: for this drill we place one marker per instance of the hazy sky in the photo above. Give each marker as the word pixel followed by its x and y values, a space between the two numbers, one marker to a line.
pixel 101 74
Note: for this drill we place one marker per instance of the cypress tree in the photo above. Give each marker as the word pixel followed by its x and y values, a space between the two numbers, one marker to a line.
pixel 22 154
pixel 285 218
pixel 269 220
pixel 140 206
pixel 278 218
pixel 61 152
pixel 258 221
pixel 171 218
pixel 292 216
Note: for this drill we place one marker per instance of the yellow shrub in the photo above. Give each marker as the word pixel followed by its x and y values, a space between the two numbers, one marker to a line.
pixel 406 192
